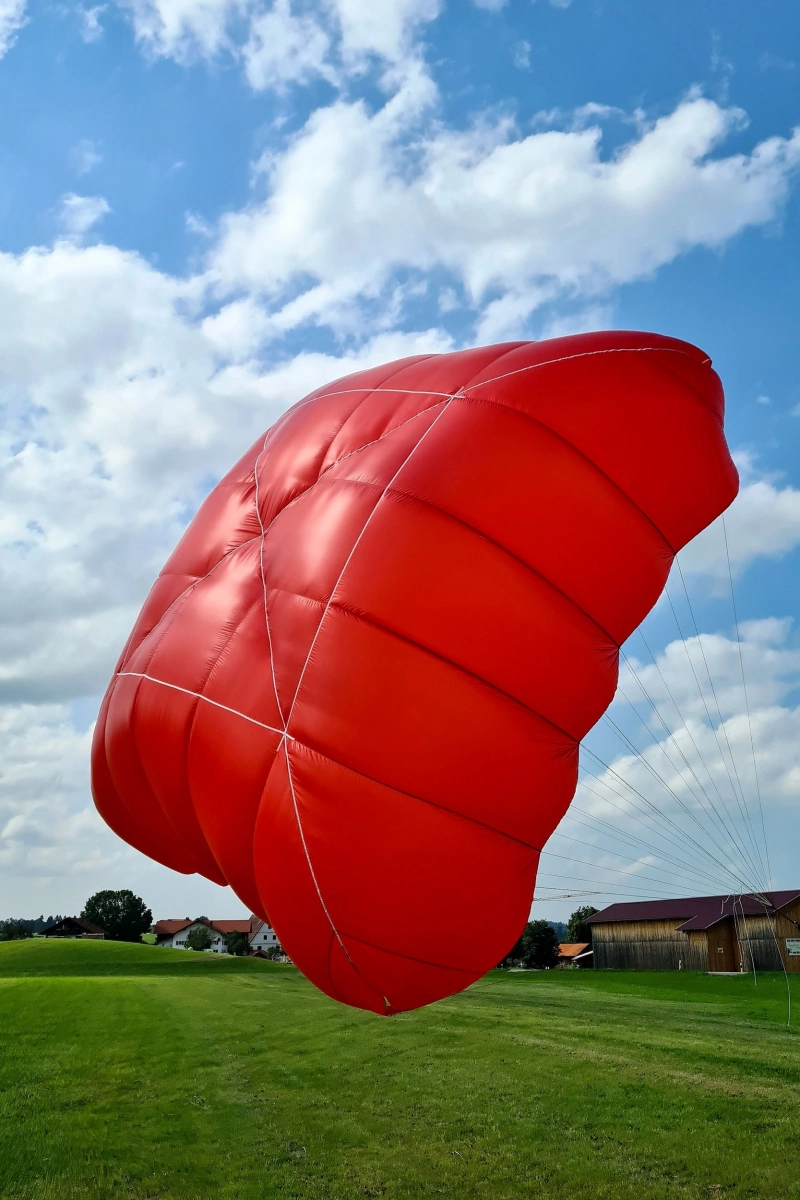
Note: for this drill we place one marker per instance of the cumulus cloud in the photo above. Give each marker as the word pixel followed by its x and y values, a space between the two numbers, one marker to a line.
pixel 78 214
pixel 47 826
pixel 91 28
pixel 278 42
pixel 359 195
pixel 283 48
pixel 683 814
pixel 12 18
pixel 762 522
pixel 117 415
pixel 84 156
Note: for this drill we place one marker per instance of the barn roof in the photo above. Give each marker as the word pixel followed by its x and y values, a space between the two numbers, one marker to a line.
pixel 696 912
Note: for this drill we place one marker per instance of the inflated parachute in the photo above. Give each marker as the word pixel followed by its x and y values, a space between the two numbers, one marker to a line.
pixel 357 689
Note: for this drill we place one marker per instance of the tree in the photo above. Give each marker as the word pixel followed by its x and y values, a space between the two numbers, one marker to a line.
pixel 14 931
pixel 238 943
pixel 199 938
pixel 539 945
pixel 577 929
pixel 122 916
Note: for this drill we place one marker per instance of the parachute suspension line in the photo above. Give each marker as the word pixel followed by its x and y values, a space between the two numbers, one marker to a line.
pixel 651 829
pixel 771 920
pixel 631 840
pixel 653 812
pixel 747 703
pixel 592 846
pixel 740 797
pixel 684 864
pixel 665 819
pixel 687 727
pixel 721 847
pixel 671 737
pixel 623 889
pixel 715 729
pixel 749 943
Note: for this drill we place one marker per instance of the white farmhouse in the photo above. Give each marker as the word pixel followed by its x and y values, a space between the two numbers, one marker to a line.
pixel 173 933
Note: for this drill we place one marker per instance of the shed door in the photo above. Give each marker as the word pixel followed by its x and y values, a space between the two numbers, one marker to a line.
pixel 722 947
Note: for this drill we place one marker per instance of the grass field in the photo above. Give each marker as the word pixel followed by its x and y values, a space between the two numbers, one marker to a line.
pixel 130 1071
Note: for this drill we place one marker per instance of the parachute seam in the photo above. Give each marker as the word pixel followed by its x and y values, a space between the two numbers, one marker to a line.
pixel 303 671
pixel 199 695
pixel 451 516
pixel 592 354
pixel 315 750
pixel 580 454
pixel 423 500
pixel 445 395
pixel 410 641
pixel 453 812
pixel 412 958
pixel 168 822
pixel 286 719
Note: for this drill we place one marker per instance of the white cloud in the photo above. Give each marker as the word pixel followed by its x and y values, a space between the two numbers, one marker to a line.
pixel 359 195
pixel 117 414
pixel 12 18
pixel 285 49
pixel 277 43
pixel 183 29
pixel 762 522
pixel 78 214
pixel 91 29
pixel 690 796
pixel 47 826
pixel 522 56
pixel 84 156
pixel 386 29
pixel 771 668
pixel 121 401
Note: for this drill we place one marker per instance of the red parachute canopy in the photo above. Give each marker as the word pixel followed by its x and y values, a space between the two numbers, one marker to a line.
pixel 357 689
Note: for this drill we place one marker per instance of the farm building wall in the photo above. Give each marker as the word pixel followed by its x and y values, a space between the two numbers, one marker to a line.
pixel 648 946
pixel 766 937
pixel 728 945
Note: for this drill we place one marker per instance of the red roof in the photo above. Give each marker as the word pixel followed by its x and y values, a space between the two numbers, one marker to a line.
pixel 168 928
pixel 696 912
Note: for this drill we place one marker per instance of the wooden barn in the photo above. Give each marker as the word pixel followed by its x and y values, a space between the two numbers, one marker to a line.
pixel 700 933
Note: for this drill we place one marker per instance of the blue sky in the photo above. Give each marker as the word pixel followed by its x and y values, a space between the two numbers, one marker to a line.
pixel 208 208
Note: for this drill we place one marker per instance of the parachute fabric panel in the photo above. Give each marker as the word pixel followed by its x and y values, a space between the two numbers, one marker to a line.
pixel 357 690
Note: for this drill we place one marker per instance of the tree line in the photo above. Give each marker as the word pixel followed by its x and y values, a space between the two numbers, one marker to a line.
pixel 537 945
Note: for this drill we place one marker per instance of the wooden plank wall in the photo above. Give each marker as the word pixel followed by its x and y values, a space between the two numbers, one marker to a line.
pixel 762 934
pixel 659 946
pixel 648 946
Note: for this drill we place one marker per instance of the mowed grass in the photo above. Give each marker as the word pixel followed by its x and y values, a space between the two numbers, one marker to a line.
pixel 130 1071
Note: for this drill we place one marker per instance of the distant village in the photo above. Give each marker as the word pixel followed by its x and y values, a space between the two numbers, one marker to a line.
pixel 714 934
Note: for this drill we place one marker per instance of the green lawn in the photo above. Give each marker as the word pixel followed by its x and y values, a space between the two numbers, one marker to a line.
pixel 131 1072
